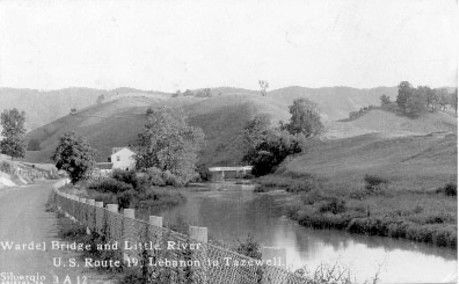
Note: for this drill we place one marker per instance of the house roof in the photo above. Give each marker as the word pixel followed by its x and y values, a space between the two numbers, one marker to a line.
pixel 117 149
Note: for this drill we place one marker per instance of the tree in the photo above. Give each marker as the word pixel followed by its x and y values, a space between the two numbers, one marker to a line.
pixel 432 98
pixel 170 144
pixel 443 98
pixel 204 93
pixel 263 86
pixel 416 103
pixel 305 118
pixel 255 131
pixel 188 92
pixel 13 131
pixel 453 102
pixel 385 100
pixel 100 99
pixel 405 90
pixel 178 93
pixel 74 155
pixel 266 156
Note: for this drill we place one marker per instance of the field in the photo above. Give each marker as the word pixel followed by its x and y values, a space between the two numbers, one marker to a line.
pixel 398 198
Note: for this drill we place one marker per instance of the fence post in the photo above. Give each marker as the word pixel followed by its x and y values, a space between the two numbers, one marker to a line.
pixel 128 213
pixel 91 213
pixel 98 223
pixel 111 226
pixel 200 234
pixel 156 221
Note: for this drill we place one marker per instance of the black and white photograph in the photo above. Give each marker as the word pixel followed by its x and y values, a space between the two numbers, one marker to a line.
pixel 228 142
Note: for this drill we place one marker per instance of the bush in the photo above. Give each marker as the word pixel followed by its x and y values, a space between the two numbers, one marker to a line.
pixel 171 179
pixel 204 173
pixel 450 189
pixel 128 199
pixel 129 177
pixel 110 185
pixel 6 168
pixel 333 205
pixel 374 183
pixel 249 247
pixel 271 151
pixel 154 176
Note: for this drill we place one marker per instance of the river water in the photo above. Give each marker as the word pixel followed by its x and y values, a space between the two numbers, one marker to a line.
pixel 233 212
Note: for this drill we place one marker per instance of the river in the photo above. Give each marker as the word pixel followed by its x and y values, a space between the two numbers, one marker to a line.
pixel 232 212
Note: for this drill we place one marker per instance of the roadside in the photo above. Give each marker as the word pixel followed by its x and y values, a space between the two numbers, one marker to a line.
pixel 24 220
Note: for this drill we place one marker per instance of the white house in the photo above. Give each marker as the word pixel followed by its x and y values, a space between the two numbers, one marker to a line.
pixel 122 158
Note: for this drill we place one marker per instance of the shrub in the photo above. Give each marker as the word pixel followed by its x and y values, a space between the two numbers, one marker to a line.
pixel 204 173
pixel 171 179
pixel 333 205
pixel 374 183
pixel 105 197
pixel 160 198
pixel 271 151
pixel 5 167
pixel 154 176
pixel 249 247
pixel 110 185
pixel 129 177
pixel 450 189
pixel 127 199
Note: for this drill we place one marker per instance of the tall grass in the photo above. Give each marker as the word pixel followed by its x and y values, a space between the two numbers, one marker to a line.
pixel 370 206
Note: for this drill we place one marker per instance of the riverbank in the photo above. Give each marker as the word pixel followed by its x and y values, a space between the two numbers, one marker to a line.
pixel 368 206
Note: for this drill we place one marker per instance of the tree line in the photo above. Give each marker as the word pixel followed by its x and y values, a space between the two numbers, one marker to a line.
pixel 414 102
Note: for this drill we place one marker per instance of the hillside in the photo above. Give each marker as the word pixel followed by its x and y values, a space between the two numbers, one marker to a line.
pixel 38 104
pixel 120 118
pixel 16 173
pixel 388 124
pixel 412 162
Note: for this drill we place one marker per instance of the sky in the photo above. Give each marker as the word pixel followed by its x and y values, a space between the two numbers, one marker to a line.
pixel 170 45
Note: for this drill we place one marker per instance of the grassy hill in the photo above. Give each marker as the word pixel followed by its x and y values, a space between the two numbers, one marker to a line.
pixel 419 163
pixel 43 107
pixel 408 193
pixel 388 124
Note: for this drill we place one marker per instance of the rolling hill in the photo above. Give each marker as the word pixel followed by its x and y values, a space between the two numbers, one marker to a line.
pixel 420 163
pixel 43 107
pixel 388 124
pixel 120 118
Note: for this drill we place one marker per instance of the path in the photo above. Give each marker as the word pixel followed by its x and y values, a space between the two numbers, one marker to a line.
pixel 23 219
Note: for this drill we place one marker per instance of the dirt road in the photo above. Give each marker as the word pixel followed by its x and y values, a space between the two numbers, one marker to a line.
pixel 24 220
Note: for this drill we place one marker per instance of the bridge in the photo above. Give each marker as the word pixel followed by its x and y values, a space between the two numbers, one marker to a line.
pixel 220 173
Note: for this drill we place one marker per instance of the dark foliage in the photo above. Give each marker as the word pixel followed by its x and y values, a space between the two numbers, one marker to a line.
pixel 268 154
pixel 74 155
pixel 129 177
pixel 374 182
pixel 249 247
pixel 450 189
pixel 110 185
pixel 13 130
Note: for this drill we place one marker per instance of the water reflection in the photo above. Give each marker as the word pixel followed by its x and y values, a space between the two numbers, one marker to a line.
pixel 233 212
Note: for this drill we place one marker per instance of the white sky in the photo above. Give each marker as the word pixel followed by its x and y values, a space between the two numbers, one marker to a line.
pixel 169 45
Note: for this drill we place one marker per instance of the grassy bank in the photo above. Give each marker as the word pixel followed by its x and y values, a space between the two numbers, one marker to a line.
pixel 369 205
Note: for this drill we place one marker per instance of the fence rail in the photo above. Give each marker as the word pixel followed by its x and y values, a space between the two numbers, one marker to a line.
pixel 160 255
